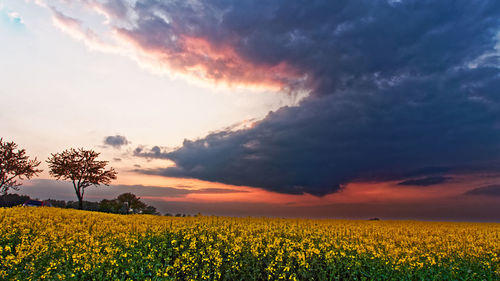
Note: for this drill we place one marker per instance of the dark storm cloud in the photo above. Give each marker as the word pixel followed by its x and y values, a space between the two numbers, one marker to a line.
pixel 116 141
pixel 336 44
pixel 490 190
pixel 155 152
pixel 217 191
pixel 117 8
pixel 425 181
pixel 330 140
pixel 396 88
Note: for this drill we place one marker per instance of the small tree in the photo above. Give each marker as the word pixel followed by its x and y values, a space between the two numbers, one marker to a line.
pixel 109 206
pixel 150 210
pixel 80 167
pixel 14 165
pixel 131 202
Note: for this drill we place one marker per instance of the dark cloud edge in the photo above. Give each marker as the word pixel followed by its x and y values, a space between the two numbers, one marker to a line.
pixel 488 190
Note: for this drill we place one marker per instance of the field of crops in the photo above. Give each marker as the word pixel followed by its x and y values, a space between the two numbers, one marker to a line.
pixel 60 244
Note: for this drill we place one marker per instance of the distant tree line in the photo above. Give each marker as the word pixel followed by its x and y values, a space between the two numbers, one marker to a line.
pixel 126 203
pixel 11 200
pixel 181 215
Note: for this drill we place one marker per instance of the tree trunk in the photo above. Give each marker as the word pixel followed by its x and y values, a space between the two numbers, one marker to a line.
pixel 78 195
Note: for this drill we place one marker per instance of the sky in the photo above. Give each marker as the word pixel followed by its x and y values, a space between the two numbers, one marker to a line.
pixel 321 109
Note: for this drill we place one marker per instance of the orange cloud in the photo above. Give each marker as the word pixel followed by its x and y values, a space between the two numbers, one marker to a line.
pixel 220 64
pixel 180 54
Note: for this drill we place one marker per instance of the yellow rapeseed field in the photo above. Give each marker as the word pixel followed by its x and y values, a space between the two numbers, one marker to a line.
pixel 63 244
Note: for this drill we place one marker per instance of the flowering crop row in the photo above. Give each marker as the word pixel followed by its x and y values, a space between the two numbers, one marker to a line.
pixel 61 244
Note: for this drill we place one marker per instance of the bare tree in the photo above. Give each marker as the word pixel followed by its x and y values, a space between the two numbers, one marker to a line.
pixel 81 167
pixel 14 165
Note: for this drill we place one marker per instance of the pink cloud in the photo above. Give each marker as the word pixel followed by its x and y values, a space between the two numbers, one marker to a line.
pixel 220 64
pixel 175 51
